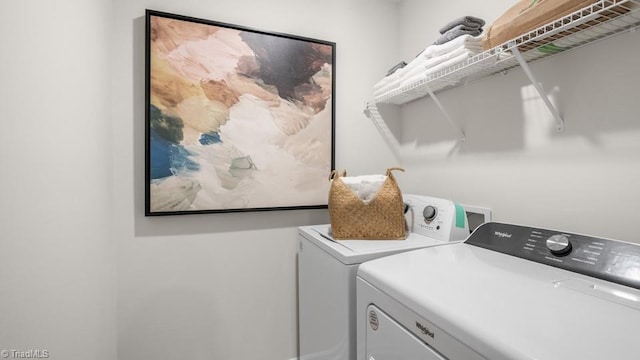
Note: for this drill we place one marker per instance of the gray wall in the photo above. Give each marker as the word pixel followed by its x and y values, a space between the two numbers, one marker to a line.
pixel 57 255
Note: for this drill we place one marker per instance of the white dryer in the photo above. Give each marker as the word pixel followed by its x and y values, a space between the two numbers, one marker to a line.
pixel 327 271
pixel 508 292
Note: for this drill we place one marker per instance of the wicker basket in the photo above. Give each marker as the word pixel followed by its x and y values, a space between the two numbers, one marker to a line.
pixel 382 218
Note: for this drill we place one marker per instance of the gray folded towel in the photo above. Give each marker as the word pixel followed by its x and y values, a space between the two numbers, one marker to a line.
pixel 396 67
pixel 455 32
pixel 471 22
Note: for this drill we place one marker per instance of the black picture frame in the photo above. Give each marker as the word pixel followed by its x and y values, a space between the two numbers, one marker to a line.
pixel 237 119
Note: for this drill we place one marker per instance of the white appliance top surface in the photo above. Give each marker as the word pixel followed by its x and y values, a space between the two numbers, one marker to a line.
pixel 359 251
pixel 509 308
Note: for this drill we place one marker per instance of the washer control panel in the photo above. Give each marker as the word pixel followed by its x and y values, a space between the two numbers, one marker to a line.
pixel 606 259
pixel 440 219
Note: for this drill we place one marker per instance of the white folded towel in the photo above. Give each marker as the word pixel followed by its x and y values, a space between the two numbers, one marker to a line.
pixel 468 41
pixel 434 61
pixel 426 68
pixel 429 61
pixel 388 79
pixel 471 43
pixel 389 87
pixel 423 75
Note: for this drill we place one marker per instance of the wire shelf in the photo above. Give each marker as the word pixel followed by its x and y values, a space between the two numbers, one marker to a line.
pixel 597 21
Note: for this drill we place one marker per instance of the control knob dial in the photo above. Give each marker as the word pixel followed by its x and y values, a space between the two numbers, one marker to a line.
pixel 429 212
pixel 559 245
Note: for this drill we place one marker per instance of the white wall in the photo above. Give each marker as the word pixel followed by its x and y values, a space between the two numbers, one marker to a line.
pixel 205 286
pixel 583 180
pixel 57 258
pixel 223 286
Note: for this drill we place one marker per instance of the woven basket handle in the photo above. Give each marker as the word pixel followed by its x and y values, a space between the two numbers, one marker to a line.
pixel 337 174
pixel 389 170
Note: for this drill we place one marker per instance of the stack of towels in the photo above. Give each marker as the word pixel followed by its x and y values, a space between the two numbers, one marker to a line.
pixel 459 40
pixel 466 25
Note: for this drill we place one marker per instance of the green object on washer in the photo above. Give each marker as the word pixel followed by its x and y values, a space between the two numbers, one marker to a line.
pixel 460 215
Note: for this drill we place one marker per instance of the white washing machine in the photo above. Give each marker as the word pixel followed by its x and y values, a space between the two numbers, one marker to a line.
pixel 507 292
pixel 327 271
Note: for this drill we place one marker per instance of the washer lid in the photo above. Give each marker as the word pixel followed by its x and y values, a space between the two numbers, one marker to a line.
pixel 359 251
pixel 506 307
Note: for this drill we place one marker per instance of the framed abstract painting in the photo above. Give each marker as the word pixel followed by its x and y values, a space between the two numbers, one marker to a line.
pixel 237 119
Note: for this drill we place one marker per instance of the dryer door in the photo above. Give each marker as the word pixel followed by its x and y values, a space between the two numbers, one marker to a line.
pixel 388 340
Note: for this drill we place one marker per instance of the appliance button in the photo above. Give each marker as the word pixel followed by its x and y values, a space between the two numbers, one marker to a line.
pixel 559 245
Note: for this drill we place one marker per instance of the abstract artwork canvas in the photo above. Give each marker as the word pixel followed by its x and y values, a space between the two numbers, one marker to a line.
pixel 237 119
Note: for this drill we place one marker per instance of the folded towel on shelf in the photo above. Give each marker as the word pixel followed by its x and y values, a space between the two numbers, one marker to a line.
pixel 386 80
pixel 388 87
pixel 423 71
pixel 471 22
pixel 450 62
pixel 396 67
pixel 393 81
pixel 473 43
pixel 455 32
pixel 432 70
pixel 431 59
pixel 435 61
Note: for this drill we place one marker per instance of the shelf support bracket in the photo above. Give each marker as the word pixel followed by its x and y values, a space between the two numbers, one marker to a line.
pixel 538 86
pixel 455 126
pixel 371 111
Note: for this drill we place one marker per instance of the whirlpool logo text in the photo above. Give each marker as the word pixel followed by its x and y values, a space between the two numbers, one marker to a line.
pixel 502 234
pixel 425 330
